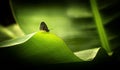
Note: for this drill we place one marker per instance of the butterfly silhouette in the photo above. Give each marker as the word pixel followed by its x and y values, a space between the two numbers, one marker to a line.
pixel 43 26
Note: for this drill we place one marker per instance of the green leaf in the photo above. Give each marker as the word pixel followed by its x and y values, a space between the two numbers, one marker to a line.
pixel 72 21
pixel 61 20
pixel 87 55
pixel 10 32
pixel 5 34
pixel 16 41
pixel 16 30
pixel 44 48
pixel 100 27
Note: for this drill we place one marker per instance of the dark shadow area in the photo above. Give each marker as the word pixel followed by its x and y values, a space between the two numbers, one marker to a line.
pixel 6 17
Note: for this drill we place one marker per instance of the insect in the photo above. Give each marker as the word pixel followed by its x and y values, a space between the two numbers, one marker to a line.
pixel 43 26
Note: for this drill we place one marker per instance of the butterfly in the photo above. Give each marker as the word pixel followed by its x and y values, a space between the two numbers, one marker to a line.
pixel 43 26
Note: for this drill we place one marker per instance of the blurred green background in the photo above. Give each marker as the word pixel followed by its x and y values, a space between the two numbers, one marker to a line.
pixel 72 20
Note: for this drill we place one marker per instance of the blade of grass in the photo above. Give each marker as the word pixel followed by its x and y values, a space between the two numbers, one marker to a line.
pixel 100 27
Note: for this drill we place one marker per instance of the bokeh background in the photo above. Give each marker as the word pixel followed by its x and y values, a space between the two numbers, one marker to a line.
pixel 71 20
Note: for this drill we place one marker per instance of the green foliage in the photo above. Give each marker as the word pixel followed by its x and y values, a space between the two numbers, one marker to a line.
pixel 43 47
pixel 10 32
pixel 73 22
pixel 100 27
pixel 85 26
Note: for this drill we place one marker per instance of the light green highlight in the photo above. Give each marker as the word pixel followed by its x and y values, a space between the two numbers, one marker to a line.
pixel 87 55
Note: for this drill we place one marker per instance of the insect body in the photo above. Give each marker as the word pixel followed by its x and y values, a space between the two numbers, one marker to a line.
pixel 43 26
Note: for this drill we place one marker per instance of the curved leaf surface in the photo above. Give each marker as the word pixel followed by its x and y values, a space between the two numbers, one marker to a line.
pixel 42 47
